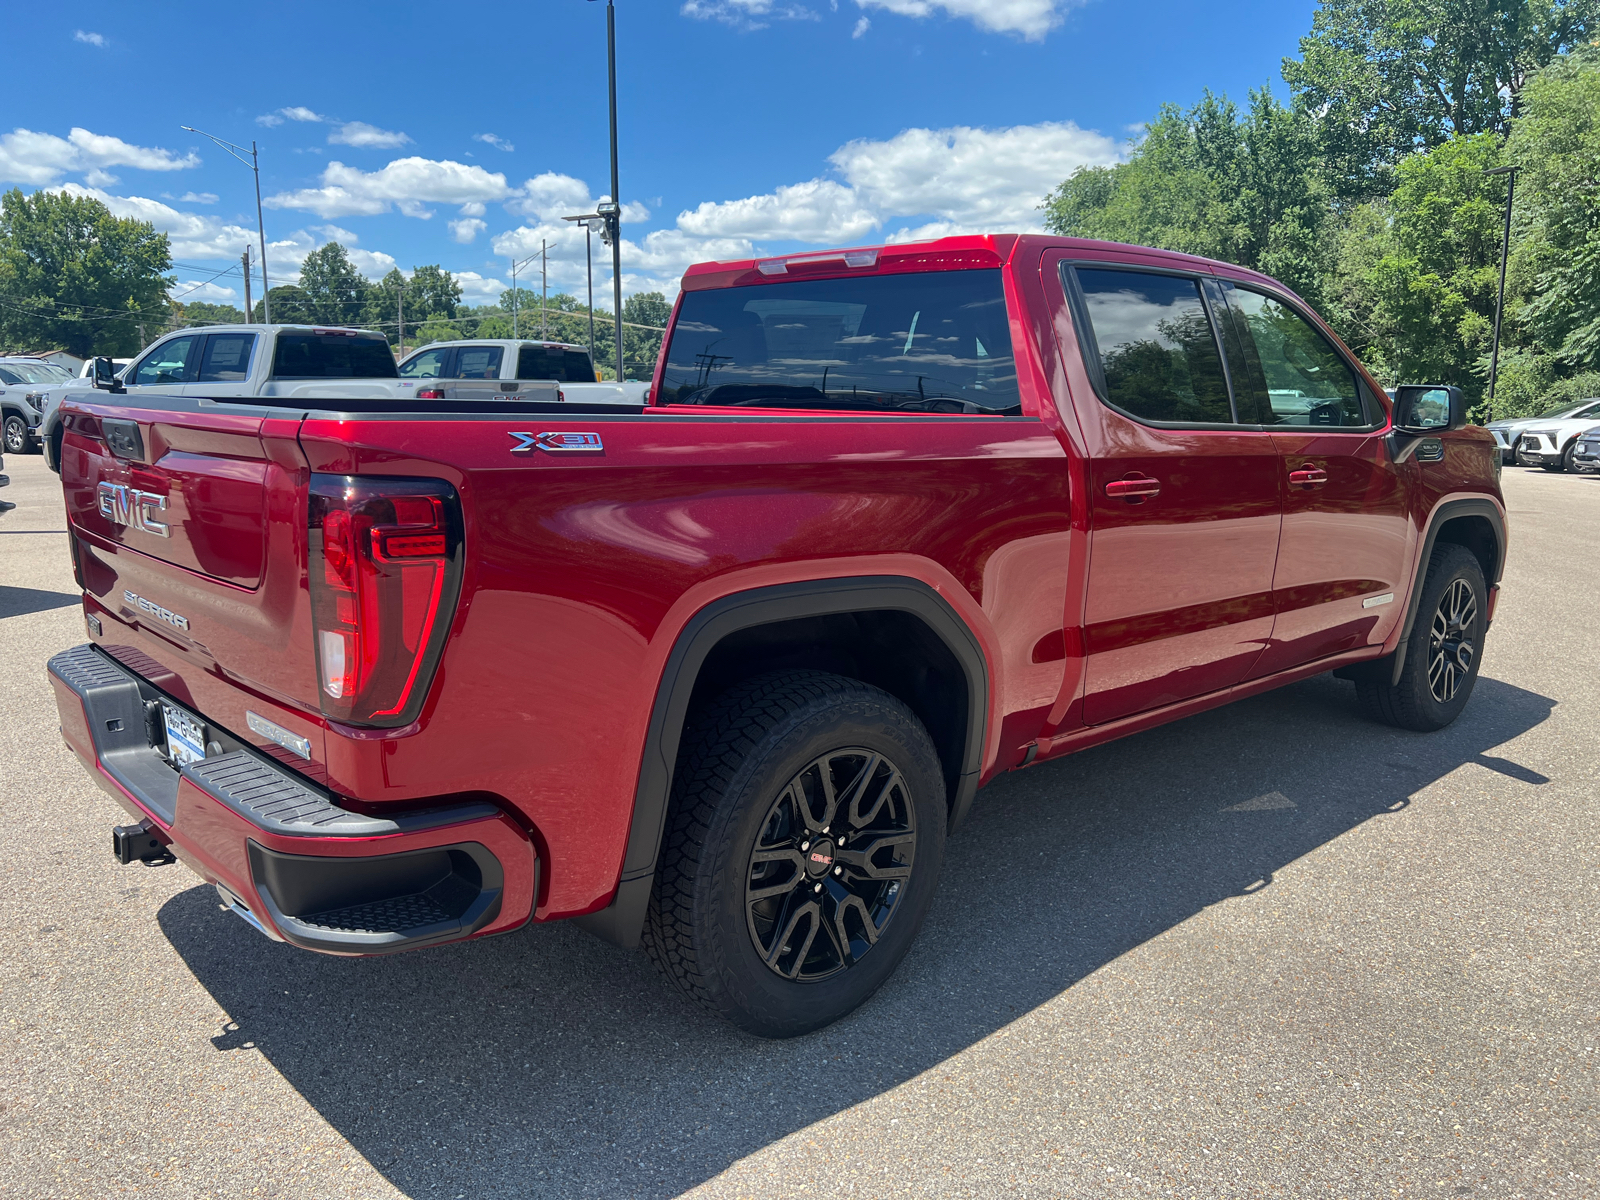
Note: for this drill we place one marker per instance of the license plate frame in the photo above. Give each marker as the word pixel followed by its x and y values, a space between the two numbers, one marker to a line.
pixel 186 736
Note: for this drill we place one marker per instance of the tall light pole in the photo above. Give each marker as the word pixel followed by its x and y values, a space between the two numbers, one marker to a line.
pixel 1500 298
pixel 589 221
pixel 516 296
pixel 261 226
pixel 612 209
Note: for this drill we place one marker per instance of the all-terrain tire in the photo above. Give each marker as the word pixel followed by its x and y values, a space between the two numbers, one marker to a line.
pixel 1437 677
pixel 744 760
pixel 17 439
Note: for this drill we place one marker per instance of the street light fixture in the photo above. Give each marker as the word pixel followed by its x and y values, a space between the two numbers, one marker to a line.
pixel 254 164
pixel 1500 298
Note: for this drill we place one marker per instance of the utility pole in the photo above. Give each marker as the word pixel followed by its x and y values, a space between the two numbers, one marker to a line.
pixel 516 292
pixel 615 216
pixel 400 313
pixel 1500 298
pixel 589 221
pixel 249 308
pixel 261 226
pixel 544 290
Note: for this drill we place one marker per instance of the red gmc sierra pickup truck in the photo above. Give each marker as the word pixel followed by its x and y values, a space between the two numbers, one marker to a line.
pixel 721 672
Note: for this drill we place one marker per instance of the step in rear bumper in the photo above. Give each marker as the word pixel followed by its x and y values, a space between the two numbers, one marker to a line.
pixel 304 869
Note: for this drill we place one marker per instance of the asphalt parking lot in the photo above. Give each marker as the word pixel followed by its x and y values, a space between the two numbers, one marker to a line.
pixel 1272 950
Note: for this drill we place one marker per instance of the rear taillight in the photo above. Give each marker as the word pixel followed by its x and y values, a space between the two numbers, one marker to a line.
pixel 385 574
pixel 430 394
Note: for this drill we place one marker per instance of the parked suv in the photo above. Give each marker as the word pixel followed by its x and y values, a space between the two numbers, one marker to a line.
pixel 23 384
pixel 723 672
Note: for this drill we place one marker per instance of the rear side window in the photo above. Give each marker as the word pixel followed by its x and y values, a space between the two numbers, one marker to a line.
pixel 227 358
pixel 478 362
pixel 560 363
pixel 1157 350
pixel 1298 378
pixel 935 341
pixel 332 356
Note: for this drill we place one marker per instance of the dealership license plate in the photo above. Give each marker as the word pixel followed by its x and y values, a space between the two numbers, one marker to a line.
pixel 186 737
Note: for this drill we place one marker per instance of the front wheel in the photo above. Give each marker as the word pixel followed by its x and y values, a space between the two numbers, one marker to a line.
pixel 801 853
pixel 16 435
pixel 1445 650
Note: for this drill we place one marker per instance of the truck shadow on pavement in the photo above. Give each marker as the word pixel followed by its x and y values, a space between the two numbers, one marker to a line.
pixel 548 1063
pixel 19 601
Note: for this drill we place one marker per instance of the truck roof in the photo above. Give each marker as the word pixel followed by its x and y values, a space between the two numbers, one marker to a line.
pixel 503 342
pixel 342 330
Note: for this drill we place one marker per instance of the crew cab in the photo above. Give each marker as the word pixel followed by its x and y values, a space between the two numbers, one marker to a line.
pixel 224 362
pixel 485 368
pixel 722 673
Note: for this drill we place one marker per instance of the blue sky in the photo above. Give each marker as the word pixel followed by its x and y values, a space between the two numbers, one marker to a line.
pixel 423 134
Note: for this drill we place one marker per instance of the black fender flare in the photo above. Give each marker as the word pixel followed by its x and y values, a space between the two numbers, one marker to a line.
pixel 1448 511
pixel 622 921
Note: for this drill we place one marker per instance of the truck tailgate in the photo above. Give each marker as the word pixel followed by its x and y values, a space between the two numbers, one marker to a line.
pixel 188 529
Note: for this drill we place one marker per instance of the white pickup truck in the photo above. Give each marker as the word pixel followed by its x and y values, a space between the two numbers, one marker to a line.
pixel 468 367
pixel 240 361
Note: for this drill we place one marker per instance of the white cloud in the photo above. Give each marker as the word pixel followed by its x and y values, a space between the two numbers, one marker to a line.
pixel 491 139
pixel 99 178
pixel 550 196
pixel 193 235
pixel 374 264
pixel 92 39
pixel 188 291
pixel 42 158
pixel 747 14
pixel 864 24
pixel 970 180
pixel 1031 18
pixel 335 233
pixel 478 289
pixel 300 112
pixel 198 198
pixel 467 229
pixel 817 211
pixel 406 183
pixel 359 133
pixel 473 208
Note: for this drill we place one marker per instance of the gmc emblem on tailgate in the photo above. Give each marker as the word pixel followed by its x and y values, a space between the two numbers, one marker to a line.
pixel 557 442
pixel 123 505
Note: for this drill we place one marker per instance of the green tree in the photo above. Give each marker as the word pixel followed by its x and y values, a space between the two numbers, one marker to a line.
pixel 335 291
pixel 74 276
pixel 199 312
pixel 1241 187
pixel 432 292
pixel 1387 77
pixel 1418 271
pixel 1556 145
pixel 435 331
pixel 290 306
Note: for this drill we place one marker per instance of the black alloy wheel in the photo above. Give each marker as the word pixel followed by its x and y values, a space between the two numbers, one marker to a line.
pixel 1451 652
pixel 801 851
pixel 1443 654
pixel 16 434
pixel 830 864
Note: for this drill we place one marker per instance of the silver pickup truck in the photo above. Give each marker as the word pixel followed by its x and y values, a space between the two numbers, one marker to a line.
pixel 483 366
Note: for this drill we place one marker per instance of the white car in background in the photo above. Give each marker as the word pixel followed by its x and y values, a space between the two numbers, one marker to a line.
pixel 468 366
pixel 1508 430
pixel 1553 445
pixel 24 381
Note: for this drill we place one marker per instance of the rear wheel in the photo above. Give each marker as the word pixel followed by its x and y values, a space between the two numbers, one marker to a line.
pixel 1443 655
pixel 801 852
pixel 17 438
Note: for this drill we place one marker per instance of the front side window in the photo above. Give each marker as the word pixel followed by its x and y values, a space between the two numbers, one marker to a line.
pixel 937 341
pixel 332 356
pixel 1301 379
pixel 478 362
pixel 168 363
pixel 430 364
pixel 1157 349
pixel 227 358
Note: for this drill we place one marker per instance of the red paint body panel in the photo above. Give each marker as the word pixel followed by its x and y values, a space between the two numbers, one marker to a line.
pixel 1095 615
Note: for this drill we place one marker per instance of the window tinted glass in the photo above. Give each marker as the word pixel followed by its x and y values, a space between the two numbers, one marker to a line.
pixel 7 377
pixel 937 341
pixel 32 373
pixel 1301 380
pixel 332 356
pixel 430 364
pixel 168 363
pixel 478 362
pixel 1157 349
pixel 227 358
pixel 560 363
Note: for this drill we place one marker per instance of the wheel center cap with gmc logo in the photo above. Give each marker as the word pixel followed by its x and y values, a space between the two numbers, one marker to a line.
pixel 819 859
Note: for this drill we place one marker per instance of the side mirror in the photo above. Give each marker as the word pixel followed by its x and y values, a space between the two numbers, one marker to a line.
pixel 105 376
pixel 1425 408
